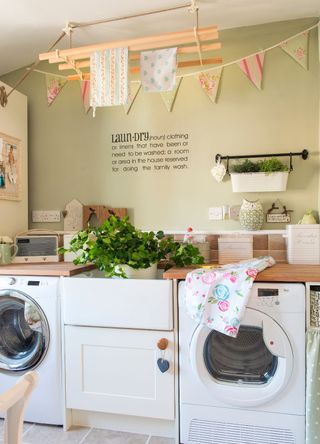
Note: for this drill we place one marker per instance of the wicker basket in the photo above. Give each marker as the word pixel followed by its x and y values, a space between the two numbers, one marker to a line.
pixel 315 307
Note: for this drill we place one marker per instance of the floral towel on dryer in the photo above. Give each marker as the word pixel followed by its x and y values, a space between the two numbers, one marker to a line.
pixel 218 297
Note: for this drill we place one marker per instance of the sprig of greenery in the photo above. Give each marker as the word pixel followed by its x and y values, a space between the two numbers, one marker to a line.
pixel 270 165
pixel 118 242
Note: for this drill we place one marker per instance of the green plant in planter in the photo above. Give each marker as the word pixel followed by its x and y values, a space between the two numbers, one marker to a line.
pixel 117 242
pixel 270 165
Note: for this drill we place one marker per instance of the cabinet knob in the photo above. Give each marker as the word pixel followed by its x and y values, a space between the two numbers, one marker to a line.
pixel 162 343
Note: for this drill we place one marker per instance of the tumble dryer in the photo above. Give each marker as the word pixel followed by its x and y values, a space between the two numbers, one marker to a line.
pixel 30 340
pixel 249 389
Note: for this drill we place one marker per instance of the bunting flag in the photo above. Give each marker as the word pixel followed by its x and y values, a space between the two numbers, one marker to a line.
pixel 134 88
pixel 54 87
pixel 209 82
pixel 169 97
pixel 109 77
pixel 85 94
pixel 252 66
pixel 297 48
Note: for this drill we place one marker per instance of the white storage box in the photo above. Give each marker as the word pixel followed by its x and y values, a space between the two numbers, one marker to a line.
pixel 235 248
pixel 303 244
pixel 259 182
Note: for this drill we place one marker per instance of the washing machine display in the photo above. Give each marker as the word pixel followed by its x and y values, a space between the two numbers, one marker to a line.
pixel 24 338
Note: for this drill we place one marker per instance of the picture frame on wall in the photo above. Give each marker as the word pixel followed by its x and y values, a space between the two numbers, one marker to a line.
pixel 10 167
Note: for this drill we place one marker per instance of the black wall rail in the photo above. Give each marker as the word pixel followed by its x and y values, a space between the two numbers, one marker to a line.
pixel 304 154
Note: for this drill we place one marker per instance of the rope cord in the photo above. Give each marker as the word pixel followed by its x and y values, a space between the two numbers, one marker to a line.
pixel 252 54
pixel 33 66
pixel 125 17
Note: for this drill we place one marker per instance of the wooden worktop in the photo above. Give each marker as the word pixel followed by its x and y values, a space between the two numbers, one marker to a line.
pixel 277 273
pixel 49 269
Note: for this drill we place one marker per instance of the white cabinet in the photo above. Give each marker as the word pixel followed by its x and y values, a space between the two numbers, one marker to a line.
pixel 115 371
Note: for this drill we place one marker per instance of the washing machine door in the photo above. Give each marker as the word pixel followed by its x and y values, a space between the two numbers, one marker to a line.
pixel 24 332
pixel 248 370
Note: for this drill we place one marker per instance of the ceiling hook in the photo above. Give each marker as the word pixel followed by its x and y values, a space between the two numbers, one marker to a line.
pixel 193 7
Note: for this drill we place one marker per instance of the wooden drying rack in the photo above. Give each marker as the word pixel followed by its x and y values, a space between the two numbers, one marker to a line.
pixel 77 58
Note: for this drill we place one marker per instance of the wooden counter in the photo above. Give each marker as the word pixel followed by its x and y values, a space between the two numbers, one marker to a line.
pixel 49 269
pixel 277 273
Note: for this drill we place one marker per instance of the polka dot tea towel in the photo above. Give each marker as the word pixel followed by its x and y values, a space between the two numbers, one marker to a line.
pixel 158 69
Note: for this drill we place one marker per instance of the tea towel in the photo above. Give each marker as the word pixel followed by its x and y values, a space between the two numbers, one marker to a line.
pixel 109 77
pixel 218 297
pixel 158 69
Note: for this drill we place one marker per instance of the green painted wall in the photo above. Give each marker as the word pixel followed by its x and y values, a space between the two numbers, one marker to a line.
pixel 70 152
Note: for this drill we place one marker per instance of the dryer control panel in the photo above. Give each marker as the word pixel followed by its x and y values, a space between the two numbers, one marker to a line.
pixel 281 297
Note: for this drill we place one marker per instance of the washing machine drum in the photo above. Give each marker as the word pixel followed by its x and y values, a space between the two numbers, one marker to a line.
pixel 24 332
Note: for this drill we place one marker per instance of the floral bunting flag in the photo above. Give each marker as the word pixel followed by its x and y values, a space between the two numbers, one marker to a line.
pixel 169 97
pixel 252 66
pixel 85 94
pixel 209 82
pixel 54 86
pixel 297 48
pixel 134 88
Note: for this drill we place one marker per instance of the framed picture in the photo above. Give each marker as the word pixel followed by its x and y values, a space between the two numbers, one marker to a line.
pixel 10 168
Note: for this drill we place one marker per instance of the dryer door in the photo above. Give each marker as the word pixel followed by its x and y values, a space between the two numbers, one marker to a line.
pixel 248 370
pixel 24 337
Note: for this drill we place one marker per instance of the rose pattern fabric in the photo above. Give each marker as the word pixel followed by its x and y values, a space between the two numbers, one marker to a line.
pixel 218 298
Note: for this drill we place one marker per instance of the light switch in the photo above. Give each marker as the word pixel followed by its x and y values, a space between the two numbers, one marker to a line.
pixel 215 213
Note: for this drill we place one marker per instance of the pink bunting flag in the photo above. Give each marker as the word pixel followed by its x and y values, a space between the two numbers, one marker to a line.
pixel 85 94
pixel 252 66
pixel 54 87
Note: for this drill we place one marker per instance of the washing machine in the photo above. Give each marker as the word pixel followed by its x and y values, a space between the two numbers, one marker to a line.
pixel 30 339
pixel 249 389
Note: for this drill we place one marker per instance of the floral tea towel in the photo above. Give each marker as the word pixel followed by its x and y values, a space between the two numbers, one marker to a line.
pixel 109 77
pixel 158 69
pixel 218 297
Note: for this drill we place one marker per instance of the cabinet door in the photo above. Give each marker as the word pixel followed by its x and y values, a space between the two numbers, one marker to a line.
pixel 115 371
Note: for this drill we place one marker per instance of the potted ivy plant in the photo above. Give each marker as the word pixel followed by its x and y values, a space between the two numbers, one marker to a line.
pixel 121 250
pixel 262 176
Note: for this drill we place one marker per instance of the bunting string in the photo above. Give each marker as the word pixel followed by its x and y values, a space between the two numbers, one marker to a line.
pixel 209 79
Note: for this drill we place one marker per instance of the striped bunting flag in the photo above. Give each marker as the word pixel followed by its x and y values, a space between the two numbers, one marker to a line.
pixel 252 66
pixel 54 87
pixel 85 94
pixel 109 77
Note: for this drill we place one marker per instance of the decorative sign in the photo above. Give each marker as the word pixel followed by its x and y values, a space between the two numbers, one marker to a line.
pixel 143 152
pixel 278 214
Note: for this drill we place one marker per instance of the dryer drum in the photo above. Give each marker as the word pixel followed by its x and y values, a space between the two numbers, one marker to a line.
pixel 24 330
pixel 244 359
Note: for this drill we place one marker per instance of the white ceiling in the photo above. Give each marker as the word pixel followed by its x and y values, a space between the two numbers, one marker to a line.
pixel 28 27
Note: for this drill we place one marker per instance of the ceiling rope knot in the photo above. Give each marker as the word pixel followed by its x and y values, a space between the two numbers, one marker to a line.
pixel 3 96
pixel 193 7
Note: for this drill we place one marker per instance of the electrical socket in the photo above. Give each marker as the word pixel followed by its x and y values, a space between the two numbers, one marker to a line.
pixel 46 216
pixel 215 213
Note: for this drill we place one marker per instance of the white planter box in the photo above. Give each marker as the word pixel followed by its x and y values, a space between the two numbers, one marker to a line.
pixel 259 182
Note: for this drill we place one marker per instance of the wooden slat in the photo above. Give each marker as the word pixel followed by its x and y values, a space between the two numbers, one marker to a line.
pixel 167 39
pixel 133 57
pixel 48 269
pixel 136 69
pixel 277 273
